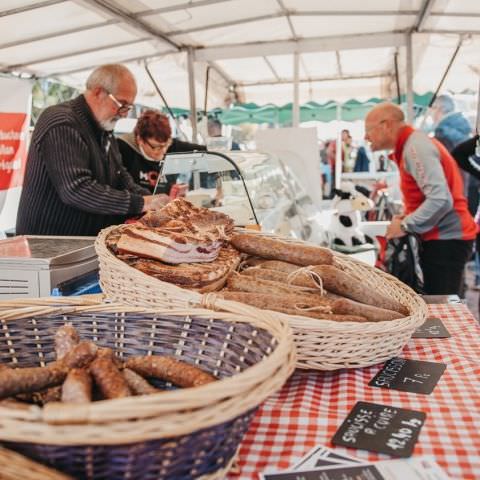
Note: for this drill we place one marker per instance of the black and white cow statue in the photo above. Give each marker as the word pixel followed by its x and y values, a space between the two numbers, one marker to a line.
pixel 344 231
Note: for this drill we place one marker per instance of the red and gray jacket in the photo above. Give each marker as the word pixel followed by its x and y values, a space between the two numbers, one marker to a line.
pixel 432 189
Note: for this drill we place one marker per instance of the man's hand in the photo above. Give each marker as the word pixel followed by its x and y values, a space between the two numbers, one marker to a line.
pixel 155 202
pixel 394 230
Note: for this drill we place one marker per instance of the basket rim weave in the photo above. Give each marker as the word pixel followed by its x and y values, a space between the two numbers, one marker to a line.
pixel 213 302
pixel 252 385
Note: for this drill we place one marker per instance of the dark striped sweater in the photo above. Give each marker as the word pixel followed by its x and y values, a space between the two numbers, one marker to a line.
pixel 74 184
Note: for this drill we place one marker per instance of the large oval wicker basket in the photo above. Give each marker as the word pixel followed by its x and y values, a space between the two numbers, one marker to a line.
pixel 178 433
pixel 321 344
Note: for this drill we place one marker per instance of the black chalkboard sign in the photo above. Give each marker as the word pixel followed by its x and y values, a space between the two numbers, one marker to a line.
pixel 415 376
pixel 432 328
pixel 380 428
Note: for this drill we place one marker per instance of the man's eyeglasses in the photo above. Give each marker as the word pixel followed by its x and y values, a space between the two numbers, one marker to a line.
pixel 122 107
pixel 159 147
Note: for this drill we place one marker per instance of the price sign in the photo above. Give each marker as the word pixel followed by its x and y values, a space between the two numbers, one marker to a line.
pixel 432 328
pixel 415 376
pixel 380 428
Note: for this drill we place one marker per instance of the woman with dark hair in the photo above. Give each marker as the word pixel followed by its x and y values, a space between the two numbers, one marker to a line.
pixel 144 149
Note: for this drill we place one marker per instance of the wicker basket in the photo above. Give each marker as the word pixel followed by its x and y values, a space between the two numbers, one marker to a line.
pixel 179 433
pixel 321 344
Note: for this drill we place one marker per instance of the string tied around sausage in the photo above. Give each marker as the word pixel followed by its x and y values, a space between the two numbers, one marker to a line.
pixel 317 308
pixel 316 278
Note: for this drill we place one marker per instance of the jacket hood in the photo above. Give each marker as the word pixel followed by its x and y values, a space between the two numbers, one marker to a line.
pixel 129 138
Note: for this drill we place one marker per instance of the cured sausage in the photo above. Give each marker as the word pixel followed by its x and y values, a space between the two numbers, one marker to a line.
pixel 338 281
pixel 278 303
pixel 24 380
pixel 169 369
pixel 109 379
pixel 66 337
pixel 345 306
pixel 303 279
pixel 270 248
pixel 77 387
pixel 80 356
pixel 243 283
pixel 138 385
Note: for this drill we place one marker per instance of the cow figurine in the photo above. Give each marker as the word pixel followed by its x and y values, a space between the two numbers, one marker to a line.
pixel 344 232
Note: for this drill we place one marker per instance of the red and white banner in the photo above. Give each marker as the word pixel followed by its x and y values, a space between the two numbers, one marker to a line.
pixel 15 107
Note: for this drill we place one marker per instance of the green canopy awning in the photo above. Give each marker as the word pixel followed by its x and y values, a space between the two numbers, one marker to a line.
pixel 312 111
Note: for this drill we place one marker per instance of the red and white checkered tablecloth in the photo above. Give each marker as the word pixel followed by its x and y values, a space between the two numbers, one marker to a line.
pixel 312 405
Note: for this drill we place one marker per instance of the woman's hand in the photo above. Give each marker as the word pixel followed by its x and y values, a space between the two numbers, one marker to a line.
pixel 155 202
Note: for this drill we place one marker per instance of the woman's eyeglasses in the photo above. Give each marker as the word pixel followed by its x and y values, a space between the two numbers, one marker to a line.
pixel 122 106
pixel 160 146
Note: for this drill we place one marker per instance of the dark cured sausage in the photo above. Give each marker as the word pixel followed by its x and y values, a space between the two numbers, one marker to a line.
pixel 270 248
pixel 278 303
pixel 169 369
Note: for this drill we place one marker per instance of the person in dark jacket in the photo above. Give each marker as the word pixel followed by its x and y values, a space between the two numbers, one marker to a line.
pixel 144 149
pixel 451 127
pixel 467 158
pixel 75 183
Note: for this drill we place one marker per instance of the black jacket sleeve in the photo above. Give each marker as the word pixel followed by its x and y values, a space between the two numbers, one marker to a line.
pixel 463 154
pixel 69 170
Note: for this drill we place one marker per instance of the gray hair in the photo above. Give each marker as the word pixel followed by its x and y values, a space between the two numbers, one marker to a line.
pixel 444 103
pixel 108 77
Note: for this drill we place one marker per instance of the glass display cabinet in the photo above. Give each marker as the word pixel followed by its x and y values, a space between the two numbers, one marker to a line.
pixel 251 187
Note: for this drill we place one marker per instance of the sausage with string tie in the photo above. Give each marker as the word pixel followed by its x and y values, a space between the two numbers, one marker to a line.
pixel 274 249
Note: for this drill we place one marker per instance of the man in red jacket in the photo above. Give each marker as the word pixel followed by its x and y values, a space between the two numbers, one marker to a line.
pixel 432 189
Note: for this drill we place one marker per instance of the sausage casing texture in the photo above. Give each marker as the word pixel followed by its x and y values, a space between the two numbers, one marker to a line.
pixel 66 338
pixel 346 306
pixel 279 303
pixel 52 394
pixel 24 380
pixel 270 248
pixel 80 356
pixel 245 283
pixel 338 281
pixel 109 379
pixel 138 385
pixel 77 387
pixel 169 369
pixel 303 279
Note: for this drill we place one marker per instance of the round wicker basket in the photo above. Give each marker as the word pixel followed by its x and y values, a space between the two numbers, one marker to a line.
pixel 178 433
pixel 320 344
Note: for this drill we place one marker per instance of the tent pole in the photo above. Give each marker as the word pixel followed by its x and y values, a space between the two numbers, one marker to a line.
pixel 296 106
pixel 191 88
pixel 410 113
pixel 397 78
pixel 338 152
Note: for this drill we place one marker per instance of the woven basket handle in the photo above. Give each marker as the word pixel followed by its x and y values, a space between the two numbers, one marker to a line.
pixel 211 301
pixel 57 413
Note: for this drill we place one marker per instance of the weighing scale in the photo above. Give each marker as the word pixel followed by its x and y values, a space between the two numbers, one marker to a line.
pixel 37 266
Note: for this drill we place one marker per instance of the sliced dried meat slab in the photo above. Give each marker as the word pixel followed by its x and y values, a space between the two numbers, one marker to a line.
pixel 178 233
pixel 197 276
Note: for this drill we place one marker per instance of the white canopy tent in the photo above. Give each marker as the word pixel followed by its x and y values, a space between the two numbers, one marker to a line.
pixel 259 51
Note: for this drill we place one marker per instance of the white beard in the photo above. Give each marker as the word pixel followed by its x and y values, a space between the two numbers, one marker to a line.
pixel 110 123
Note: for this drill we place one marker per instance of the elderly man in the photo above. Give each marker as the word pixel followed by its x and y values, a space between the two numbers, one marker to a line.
pixel 432 189
pixel 75 182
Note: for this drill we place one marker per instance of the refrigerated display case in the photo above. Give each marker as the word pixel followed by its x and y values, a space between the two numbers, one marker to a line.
pixel 251 187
